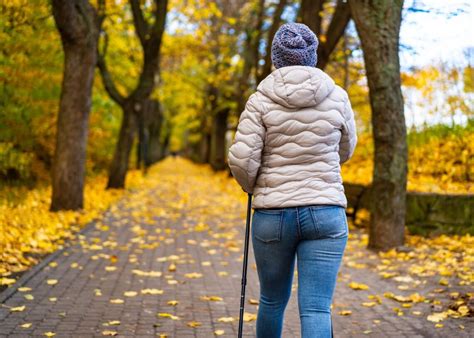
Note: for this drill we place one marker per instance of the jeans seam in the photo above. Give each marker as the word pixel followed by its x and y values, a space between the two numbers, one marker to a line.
pixel 298 230
pixel 316 225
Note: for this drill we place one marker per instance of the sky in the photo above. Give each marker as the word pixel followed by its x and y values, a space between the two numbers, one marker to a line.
pixel 426 37
pixel 442 31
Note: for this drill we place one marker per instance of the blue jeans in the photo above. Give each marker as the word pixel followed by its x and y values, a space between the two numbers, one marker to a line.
pixel 316 235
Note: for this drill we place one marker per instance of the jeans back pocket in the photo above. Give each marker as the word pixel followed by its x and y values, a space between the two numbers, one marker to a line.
pixel 330 221
pixel 266 225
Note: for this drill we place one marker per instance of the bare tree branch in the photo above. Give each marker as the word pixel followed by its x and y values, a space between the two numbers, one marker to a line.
pixel 106 76
pixel 151 49
pixel 266 69
pixel 258 35
pixel 141 26
pixel 339 21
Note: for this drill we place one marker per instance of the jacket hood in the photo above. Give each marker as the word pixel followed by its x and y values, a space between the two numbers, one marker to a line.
pixel 297 86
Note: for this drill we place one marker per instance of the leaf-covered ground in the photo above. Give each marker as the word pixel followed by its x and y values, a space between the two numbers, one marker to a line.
pixel 165 260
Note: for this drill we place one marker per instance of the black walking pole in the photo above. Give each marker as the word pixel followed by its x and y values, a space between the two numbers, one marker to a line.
pixel 244 268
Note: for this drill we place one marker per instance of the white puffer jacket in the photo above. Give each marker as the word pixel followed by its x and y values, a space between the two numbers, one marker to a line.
pixel 295 131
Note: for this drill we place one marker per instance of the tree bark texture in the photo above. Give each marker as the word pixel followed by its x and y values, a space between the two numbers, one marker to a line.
pixel 156 148
pixel 77 23
pixel 119 165
pixel 378 26
pixel 149 128
pixel 310 14
pixel 218 144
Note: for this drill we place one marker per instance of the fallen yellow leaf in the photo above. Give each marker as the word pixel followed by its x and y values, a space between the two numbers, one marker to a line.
pixel 117 301
pixel 248 317
pixel 152 291
pixel 345 312
pixel 18 308
pixel 24 289
pixel 7 281
pixel 130 293
pixel 112 322
pixel 194 324
pixel 358 286
pixel 437 317
pixel 147 273
pixel 369 304
pixel 211 298
pixel 168 315
pixel 226 319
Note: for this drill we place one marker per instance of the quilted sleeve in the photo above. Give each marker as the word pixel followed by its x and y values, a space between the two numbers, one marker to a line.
pixel 245 152
pixel 348 140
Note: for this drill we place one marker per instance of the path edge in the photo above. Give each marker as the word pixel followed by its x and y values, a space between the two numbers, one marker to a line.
pixel 31 272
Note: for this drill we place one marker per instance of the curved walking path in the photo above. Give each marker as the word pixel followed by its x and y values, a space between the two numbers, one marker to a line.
pixel 166 261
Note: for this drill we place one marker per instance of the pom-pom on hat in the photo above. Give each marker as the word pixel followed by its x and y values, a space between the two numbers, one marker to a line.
pixel 294 44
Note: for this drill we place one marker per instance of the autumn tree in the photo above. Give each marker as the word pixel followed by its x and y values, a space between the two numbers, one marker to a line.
pixel 265 70
pixel 214 47
pixel 253 20
pixel 135 106
pixel 311 13
pixel 78 25
pixel 378 27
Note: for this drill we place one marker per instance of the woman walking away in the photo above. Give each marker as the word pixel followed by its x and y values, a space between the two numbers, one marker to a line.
pixel 295 131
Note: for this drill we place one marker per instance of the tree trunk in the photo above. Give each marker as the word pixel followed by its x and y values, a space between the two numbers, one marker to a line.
pixel 203 148
pixel 345 48
pixel 310 14
pixel 156 147
pixel 218 146
pixel 76 22
pixel 165 146
pixel 378 26
pixel 134 105
pixel 119 165
pixel 149 148
pixel 142 141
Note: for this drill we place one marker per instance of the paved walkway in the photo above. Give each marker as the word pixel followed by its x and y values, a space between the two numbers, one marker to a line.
pixel 166 260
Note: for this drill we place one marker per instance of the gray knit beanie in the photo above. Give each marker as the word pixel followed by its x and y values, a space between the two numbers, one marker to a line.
pixel 294 44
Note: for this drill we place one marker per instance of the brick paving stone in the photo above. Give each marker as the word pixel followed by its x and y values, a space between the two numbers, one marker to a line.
pixel 79 312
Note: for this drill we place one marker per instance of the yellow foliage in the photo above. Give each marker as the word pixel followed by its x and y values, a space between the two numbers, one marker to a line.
pixel 29 229
pixel 441 165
